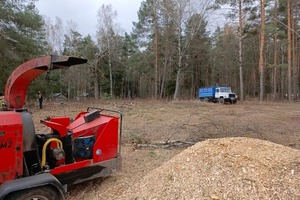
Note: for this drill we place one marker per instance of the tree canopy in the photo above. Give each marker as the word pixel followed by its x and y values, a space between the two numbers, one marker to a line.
pixel 21 35
pixel 171 51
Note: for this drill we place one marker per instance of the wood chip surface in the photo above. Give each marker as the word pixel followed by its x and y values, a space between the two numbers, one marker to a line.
pixel 229 168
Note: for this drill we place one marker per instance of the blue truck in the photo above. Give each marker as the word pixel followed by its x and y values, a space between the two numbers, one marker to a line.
pixel 217 94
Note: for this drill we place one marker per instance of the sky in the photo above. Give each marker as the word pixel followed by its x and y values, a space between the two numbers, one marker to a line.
pixel 84 12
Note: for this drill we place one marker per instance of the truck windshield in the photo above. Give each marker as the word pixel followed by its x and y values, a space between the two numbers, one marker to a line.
pixel 225 89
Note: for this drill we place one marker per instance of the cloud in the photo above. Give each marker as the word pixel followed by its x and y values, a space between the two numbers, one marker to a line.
pixel 84 12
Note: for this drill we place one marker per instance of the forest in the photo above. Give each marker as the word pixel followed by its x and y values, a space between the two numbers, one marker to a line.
pixel 170 53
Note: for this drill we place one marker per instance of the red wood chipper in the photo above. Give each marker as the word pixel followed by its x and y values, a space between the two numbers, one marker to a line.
pixel 43 165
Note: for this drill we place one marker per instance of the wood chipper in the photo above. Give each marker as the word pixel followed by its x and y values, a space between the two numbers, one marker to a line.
pixel 43 165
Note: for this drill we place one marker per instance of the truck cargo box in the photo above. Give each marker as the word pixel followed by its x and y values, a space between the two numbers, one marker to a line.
pixel 207 92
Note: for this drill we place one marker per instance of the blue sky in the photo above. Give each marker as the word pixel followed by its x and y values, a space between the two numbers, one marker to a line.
pixel 84 12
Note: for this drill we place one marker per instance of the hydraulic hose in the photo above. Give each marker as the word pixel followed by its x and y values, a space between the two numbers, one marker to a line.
pixel 59 144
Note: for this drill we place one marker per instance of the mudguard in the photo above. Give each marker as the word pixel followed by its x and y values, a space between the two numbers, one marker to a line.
pixel 29 182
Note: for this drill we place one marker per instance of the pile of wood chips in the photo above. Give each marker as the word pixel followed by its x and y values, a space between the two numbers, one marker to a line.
pixel 229 168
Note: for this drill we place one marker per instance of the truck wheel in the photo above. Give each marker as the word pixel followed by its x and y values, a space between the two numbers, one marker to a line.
pixel 40 193
pixel 221 100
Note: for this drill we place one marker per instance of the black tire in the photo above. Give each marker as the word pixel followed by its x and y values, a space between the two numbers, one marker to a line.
pixel 221 100
pixel 39 193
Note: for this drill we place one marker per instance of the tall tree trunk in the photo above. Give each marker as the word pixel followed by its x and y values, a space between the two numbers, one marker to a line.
pixel 294 53
pixel 177 84
pixel 96 84
pixel 156 56
pixel 177 87
pixel 69 83
pixel 275 52
pixel 261 51
pixel 282 91
pixel 166 60
pixel 109 51
pixel 110 76
pixel 241 51
pixel 289 53
pixel 296 64
pixel 60 82
pixel 254 77
pixel 162 86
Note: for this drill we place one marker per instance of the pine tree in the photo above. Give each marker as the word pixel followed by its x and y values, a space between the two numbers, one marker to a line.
pixel 21 35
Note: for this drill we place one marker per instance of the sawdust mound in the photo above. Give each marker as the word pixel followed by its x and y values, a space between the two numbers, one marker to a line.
pixel 229 168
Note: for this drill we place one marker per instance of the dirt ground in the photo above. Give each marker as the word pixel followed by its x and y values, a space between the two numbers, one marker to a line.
pixel 164 122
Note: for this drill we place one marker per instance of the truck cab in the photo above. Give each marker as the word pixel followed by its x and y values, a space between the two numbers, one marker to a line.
pixel 224 94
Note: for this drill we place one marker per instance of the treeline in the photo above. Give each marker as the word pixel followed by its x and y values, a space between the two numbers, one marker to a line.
pixel 171 52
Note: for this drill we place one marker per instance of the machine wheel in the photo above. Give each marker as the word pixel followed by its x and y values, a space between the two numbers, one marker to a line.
pixel 40 193
pixel 221 100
